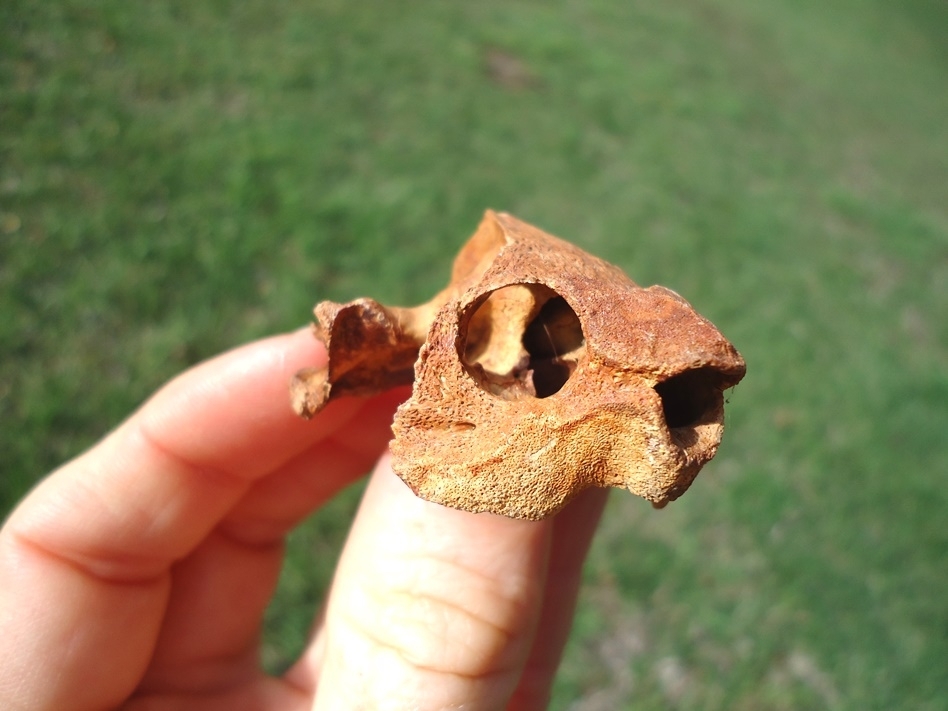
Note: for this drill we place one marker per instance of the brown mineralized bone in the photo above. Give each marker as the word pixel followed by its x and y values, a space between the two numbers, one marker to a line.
pixel 538 372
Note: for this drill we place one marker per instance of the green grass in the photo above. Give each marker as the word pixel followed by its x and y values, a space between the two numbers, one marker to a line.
pixel 178 178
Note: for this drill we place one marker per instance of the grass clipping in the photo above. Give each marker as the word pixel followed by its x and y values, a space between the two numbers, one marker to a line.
pixel 538 372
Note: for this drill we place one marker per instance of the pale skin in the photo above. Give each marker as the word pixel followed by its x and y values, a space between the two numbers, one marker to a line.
pixel 136 575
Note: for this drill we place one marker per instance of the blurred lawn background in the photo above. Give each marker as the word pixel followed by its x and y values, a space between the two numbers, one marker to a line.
pixel 177 178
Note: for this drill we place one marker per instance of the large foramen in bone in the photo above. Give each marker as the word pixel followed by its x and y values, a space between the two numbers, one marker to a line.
pixel 538 372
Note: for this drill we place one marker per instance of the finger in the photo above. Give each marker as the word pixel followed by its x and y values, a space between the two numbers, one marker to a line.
pixel 85 560
pixel 156 485
pixel 573 530
pixel 431 607
pixel 210 632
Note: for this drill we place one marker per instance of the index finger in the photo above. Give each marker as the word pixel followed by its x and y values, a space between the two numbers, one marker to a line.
pixel 154 487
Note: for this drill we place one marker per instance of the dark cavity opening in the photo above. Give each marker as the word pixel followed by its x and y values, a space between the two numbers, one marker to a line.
pixel 551 340
pixel 687 398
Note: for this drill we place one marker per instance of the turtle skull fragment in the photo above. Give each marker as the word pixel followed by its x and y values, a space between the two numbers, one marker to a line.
pixel 538 372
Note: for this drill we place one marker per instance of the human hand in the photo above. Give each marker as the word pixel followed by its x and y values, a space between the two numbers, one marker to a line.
pixel 136 575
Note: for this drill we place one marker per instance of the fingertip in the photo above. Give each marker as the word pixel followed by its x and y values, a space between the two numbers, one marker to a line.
pixel 233 412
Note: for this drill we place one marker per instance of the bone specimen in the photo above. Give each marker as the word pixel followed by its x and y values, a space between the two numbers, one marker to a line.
pixel 538 372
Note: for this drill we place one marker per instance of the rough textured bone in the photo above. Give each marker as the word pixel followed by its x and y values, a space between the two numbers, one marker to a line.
pixel 539 371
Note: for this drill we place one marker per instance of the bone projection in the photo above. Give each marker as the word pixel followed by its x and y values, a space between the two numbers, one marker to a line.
pixel 539 371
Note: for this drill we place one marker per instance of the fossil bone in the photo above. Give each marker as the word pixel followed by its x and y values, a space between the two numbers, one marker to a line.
pixel 538 372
